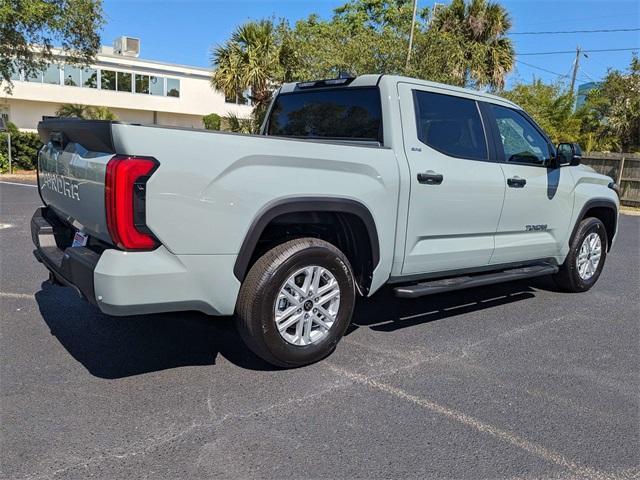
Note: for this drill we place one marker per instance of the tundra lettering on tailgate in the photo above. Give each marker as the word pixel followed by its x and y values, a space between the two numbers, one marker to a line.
pixel 60 184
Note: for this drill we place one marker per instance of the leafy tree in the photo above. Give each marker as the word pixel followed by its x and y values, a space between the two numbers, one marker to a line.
pixel 363 36
pixel 72 110
pixel 236 124
pixel 211 121
pixel 29 28
pixel 85 111
pixel 551 106
pixel 465 43
pixel 101 113
pixel 250 59
pixel 611 114
pixel 472 36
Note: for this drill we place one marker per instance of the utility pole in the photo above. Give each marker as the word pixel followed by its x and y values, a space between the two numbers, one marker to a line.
pixel 575 69
pixel 413 25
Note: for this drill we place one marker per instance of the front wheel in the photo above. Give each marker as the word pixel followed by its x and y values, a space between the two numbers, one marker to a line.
pixel 586 257
pixel 296 302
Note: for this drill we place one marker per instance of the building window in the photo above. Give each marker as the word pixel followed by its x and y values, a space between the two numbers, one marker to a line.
pixel 108 80
pixel 52 75
pixel 173 87
pixel 156 85
pixel 124 82
pixel 15 73
pixel 72 76
pixel 242 98
pixel 142 83
pixel 90 78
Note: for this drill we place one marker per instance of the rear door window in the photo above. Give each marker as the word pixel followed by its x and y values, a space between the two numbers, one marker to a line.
pixel 451 125
pixel 338 114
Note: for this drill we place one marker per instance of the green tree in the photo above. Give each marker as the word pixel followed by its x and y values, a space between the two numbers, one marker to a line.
pixel 85 111
pixel 236 124
pixel 611 114
pixel 211 121
pixel 251 60
pixel 363 36
pixel 551 106
pixel 29 28
pixel 472 36
pixel 24 147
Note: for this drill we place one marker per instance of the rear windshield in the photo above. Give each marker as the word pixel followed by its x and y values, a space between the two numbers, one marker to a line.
pixel 340 114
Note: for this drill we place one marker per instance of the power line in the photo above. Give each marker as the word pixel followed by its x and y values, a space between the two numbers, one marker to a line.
pixel 561 75
pixel 585 51
pixel 578 31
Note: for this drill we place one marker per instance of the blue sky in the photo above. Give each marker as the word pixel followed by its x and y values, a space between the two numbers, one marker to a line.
pixel 183 31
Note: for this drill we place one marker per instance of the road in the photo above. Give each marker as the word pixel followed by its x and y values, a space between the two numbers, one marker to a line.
pixel 511 381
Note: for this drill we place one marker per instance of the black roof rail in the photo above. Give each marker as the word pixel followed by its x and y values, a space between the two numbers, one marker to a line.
pixel 329 82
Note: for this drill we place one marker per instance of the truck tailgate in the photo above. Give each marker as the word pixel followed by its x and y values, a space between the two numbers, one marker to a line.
pixel 71 175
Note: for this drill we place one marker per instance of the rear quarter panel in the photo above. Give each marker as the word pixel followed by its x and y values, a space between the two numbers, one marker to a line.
pixel 211 186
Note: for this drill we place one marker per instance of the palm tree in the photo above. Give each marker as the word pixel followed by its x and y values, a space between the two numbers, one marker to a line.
pixel 72 110
pixel 248 60
pixel 101 113
pixel 85 111
pixel 479 28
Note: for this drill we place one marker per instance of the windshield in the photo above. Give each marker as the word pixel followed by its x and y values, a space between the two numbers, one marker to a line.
pixel 339 114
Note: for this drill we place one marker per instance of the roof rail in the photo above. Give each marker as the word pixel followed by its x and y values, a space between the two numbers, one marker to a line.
pixel 330 82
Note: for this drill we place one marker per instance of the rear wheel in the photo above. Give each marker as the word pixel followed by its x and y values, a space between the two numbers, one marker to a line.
pixel 587 254
pixel 296 302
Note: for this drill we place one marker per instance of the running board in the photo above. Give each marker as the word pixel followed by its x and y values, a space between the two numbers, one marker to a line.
pixel 459 283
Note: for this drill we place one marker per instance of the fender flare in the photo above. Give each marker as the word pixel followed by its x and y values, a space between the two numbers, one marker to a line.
pixel 303 204
pixel 599 202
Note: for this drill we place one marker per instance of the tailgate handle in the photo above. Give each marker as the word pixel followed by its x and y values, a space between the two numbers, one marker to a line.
pixel 58 138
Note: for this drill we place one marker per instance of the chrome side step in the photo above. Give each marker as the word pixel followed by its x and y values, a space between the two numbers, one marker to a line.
pixel 459 283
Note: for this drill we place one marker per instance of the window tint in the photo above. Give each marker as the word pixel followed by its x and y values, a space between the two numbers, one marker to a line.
pixel 173 87
pixel 156 85
pixel 71 76
pixel 142 83
pixel 348 113
pixel 90 78
pixel 52 75
pixel 34 77
pixel 15 72
pixel 124 82
pixel 521 142
pixel 108 80
pixel 451 125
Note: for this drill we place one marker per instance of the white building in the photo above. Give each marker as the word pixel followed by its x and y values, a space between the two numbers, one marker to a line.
pixel 136 90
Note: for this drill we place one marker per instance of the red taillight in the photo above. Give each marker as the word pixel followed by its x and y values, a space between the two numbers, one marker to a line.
pixel 124 200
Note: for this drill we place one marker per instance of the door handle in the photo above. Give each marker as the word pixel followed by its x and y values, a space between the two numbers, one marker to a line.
pixel 430 178
pixel 516 182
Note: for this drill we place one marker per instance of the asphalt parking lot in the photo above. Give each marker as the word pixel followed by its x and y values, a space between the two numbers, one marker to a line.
pixel 511 381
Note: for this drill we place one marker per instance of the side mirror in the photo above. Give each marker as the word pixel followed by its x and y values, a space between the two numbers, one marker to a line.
pixel 569 154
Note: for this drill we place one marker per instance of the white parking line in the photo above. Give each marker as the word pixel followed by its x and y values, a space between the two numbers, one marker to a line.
pixel 28 296
pixel 469 421
pixel 18 184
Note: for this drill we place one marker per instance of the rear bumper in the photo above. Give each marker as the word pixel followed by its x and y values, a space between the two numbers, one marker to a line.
pixel 72 267
pixel 131 283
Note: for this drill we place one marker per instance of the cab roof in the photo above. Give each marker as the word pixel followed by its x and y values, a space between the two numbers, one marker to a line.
pixel 391 80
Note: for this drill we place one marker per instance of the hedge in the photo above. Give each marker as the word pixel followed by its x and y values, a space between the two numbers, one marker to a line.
pixel 24 149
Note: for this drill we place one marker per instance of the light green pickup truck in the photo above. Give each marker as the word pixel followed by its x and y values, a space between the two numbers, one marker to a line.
pixel 352 184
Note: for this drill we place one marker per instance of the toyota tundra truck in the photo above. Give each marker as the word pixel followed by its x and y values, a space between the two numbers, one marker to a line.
pixel 352 183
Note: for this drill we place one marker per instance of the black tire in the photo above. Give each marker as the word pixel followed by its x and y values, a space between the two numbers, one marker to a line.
pixel 260 289
pixel 568 278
